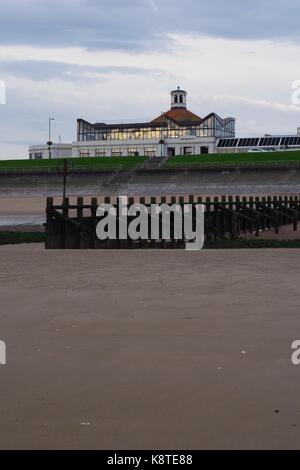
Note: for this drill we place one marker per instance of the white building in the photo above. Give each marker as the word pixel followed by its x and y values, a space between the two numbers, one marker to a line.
pixel 39 152
pixel 175 132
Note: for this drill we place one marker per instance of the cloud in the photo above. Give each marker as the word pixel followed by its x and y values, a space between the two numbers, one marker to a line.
pixel 117 60
pixel 45 70
pixel 144 24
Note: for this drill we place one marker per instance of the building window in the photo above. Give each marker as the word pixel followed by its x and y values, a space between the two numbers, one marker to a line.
pixel 38 156
pixel 30 156
pixel 150 152
pixel 116 152
pixel 133 152
pixel 181 99
pixel 176 99
pixel 188 151
pixel 100 153
pixel 84 153
pixel 205 131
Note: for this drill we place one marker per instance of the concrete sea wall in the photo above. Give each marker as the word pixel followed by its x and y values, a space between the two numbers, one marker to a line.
pixel 155 182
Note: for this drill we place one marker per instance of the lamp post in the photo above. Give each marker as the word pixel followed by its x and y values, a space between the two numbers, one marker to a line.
pixel 49 143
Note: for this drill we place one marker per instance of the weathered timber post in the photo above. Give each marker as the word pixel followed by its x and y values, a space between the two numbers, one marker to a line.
pixel 152 242
pixel 208 229
pixel 163 200
pixel 94 207
pixel 292 206
pixel 216 216
pixel 275 206
pixel 81 235
pixel 257 216
pixel 50 228
pixel 130 242
pixel 143 243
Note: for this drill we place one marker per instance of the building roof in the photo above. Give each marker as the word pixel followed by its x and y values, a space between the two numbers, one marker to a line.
pixel 179 116
pixel 132 125
pixel 178 91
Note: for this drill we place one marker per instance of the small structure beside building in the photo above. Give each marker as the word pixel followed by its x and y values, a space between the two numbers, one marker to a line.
pixel 40 152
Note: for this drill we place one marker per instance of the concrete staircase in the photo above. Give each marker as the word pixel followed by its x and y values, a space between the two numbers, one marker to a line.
pixel 155 162
pixel 119 176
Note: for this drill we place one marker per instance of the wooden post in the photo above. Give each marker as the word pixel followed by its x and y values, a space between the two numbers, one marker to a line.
pixel 94 207
pixel 275 206
pixel 208 219
pixel 80 207
pixel 65 207
pixel 143 243
pixel 152 242
pixel 217 215
pixel 49 228
pixel 130 243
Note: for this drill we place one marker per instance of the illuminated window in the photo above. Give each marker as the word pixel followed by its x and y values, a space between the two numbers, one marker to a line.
pixel 100 153
pixel 116 152
pixel 188 151
pixel 84 153
pixel 150 151
pixel 133 152
pixel 205 131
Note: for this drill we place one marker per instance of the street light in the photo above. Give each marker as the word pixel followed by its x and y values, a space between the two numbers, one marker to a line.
pixel 49 143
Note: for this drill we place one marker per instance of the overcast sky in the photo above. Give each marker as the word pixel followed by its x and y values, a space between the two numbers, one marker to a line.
pixel 117 60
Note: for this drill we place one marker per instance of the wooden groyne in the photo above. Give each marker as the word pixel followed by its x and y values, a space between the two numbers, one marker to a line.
pixel 73 226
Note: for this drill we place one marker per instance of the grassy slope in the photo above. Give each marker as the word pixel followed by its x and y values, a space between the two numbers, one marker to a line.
pixel 109 162
pixel 234 159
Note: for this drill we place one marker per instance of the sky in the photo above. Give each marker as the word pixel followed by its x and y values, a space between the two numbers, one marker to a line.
pixel 118 60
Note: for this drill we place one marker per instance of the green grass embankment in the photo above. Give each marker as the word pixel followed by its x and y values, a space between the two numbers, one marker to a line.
pixel 266 159
pixel 74 163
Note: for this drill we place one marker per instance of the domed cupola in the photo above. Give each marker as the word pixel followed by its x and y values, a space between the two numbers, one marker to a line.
pixel 178 98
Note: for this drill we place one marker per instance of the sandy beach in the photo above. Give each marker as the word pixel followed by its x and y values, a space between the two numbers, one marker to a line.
pixel 149 349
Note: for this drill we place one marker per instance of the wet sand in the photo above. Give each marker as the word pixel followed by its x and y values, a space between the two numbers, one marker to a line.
pixel 149 349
